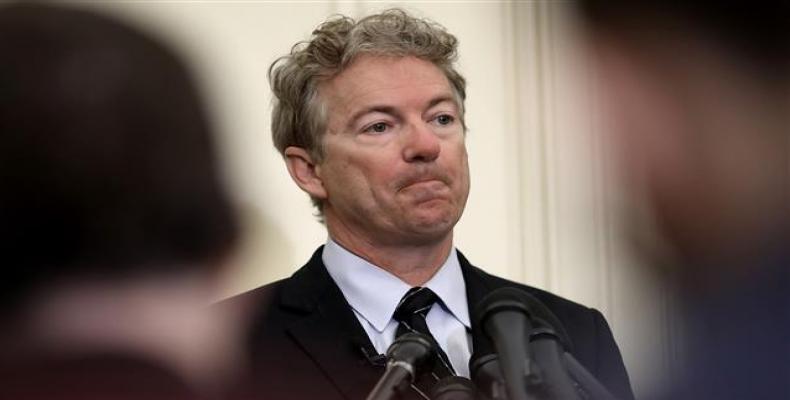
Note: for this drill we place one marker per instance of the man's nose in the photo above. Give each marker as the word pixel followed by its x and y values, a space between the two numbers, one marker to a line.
pixel 421 143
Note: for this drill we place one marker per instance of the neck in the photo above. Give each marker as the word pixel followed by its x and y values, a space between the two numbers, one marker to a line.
pixel 414 262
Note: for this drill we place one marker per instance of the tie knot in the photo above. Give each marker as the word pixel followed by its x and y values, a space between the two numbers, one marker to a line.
pixel 418 300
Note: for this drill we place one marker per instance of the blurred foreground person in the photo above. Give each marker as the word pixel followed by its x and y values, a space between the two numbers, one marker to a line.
pixel 697 100
pixel 113 219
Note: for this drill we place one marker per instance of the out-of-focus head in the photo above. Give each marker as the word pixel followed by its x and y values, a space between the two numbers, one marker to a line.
pixel 107 166
pixel 300 112
pixel 696 98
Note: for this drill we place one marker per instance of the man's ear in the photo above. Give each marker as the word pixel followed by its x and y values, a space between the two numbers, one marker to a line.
pixel 303 171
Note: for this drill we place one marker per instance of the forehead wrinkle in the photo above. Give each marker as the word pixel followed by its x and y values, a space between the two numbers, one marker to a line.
pixel 393 108
pixel 357 88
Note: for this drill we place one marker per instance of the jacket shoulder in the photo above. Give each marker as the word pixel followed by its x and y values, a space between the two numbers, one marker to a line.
pixel 557 304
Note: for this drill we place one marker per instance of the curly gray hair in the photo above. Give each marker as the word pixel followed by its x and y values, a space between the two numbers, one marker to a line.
pixel 299 115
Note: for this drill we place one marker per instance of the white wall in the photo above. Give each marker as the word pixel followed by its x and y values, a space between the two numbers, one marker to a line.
pixel 542 209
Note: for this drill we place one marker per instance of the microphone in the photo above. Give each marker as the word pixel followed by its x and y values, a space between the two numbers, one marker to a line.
pixel 503 317
pixel 563 376
pixel 524 330
pixel 408 354
pixel 454 388
pixel 548 353
pixel 484 367
pixel 487 375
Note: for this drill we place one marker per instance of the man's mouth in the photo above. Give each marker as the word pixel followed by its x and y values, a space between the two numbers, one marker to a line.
pixel 423 179
pixel 424 190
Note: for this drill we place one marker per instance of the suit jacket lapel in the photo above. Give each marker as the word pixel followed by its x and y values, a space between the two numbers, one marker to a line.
pixel 478 285
pixel 329 332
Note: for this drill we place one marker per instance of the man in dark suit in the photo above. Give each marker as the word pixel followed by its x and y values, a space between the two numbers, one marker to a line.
pixel 369 116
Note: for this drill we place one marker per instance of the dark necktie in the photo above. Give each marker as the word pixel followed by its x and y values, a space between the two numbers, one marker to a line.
pixel 410 314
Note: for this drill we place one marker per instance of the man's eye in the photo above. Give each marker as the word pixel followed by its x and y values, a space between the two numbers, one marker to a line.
pixel 378 127
pixel 445 119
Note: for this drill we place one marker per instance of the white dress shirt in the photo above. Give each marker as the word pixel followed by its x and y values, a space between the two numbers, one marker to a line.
pixel 374 293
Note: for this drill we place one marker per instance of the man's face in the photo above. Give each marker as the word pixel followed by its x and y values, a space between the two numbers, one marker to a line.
pixel 395 170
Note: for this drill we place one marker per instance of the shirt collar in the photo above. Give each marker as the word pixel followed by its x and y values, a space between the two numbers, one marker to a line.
pixel 448 283
pixel 374 293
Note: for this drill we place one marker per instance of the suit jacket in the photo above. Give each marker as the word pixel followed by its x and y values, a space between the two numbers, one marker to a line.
pixel 306 343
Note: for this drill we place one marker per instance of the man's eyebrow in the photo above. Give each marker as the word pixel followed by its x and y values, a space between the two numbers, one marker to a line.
pixel 442 99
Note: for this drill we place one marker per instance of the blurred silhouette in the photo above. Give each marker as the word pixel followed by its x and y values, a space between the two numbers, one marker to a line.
pixel 113 218
pixel 696 97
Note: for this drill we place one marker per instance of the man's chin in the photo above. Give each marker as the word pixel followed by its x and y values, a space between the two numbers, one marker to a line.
pixel 433 224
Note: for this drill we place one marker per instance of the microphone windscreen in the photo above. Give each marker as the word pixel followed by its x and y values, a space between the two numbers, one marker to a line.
pixel 506 298
pixel 514 299
pixel 487 374
pixel 454 388
pixel 497 300
pixel 543 317
pixel 414 349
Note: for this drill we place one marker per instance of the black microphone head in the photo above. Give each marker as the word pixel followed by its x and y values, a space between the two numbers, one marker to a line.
pixel 484 369
pixel 483 348
pixel 454 388
pixel 545 320
pixel 414 349
pixel 502 299
pixel 514 299
pixel 484 363
pixel 488 378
